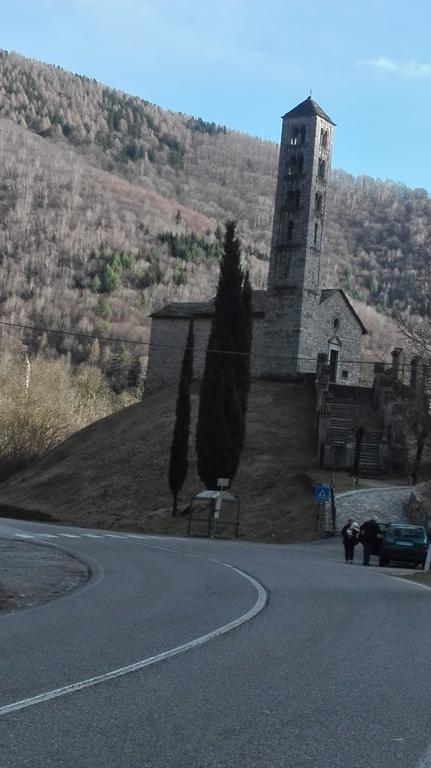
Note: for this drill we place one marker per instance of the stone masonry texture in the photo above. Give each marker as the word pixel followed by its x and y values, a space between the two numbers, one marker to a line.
pixel 347 337
pixel 168 340
pixel 294 281
pixel 388 504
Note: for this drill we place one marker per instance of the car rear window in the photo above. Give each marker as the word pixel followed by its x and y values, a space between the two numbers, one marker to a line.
pixel 409 534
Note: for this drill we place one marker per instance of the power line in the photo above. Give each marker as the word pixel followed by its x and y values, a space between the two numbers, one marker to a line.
pixel 77 334
pixel 155 345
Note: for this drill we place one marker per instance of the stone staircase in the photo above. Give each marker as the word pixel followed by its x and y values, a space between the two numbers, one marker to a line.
pixel 350 407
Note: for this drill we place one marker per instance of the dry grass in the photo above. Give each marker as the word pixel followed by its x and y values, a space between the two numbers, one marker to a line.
pixel 420 578
pixel 113 473
pixel 45 401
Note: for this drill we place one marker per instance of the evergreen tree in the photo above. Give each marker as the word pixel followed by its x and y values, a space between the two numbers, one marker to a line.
pixel 135 375
pixel 118 368
pixel 226 381
pixel 178 464
pixel 245 337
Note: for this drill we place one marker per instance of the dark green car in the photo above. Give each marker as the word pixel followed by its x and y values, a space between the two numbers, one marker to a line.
pixel 404 544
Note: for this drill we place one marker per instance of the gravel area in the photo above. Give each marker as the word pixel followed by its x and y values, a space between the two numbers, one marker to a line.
pixel 31 574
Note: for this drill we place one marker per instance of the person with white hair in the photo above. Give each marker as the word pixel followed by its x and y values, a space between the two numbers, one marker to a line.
pixel 350 534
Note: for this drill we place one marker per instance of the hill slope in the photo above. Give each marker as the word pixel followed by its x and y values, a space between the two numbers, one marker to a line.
pixel 113 473
pixel 109 207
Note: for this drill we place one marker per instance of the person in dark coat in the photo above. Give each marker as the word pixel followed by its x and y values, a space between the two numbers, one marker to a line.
pixel 350 539
pixel 368 536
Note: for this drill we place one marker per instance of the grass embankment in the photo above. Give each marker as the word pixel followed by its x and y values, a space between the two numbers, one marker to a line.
pixel 112 474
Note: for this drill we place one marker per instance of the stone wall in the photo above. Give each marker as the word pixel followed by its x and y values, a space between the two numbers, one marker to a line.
pixel 348 335
pixel 167 344
pixel 386 503
pixel 169 334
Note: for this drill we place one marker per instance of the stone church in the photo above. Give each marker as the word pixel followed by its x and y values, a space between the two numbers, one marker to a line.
pixel 297 319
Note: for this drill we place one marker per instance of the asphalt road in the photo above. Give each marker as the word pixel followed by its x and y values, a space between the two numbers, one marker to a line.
pixel 334 671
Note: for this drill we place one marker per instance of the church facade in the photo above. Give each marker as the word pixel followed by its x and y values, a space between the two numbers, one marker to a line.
pixel 297 319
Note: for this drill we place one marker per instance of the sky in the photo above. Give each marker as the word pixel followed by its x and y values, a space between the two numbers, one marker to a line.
pixel 244 63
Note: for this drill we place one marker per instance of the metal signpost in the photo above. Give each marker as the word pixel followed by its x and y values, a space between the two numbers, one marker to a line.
pixel 427 564
pixel 322 494
pixel 222 484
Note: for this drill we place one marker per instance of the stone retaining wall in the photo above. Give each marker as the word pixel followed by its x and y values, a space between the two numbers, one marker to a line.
pixel 387 503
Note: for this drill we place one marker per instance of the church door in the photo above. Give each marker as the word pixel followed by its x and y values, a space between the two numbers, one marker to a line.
pixel 333 363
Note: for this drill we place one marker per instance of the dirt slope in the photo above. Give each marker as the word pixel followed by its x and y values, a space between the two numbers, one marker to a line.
pixel 113 473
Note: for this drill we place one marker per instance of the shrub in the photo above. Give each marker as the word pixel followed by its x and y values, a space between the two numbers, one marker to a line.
pixel 42 403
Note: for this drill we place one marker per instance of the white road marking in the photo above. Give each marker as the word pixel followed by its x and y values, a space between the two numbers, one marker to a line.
pixel 114 536
pixel 151 660
pixel 69 535
pixel 24 535
pixel 403 580
pixel 47 535
pixel 92 535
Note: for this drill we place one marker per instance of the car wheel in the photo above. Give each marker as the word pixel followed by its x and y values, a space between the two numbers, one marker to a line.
pixel 383 561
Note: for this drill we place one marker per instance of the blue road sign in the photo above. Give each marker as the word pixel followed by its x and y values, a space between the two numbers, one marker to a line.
pixel 322 493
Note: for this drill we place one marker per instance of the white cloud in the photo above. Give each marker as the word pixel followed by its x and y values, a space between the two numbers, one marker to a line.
pixel 410 68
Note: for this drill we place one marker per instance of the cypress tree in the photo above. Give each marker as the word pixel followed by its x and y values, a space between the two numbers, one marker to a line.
pixel 245 337
pixel 225 384
pixel 178 463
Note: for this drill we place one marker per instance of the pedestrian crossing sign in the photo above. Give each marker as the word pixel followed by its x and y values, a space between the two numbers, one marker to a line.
pixel 322 493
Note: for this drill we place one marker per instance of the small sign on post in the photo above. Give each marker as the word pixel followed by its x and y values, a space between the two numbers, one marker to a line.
pixel 223 482
pixel 322 493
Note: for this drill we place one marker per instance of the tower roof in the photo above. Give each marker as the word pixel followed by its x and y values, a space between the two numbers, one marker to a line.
pixel 308 108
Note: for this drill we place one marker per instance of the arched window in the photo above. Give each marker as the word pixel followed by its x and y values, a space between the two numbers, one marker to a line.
pixel 297 198
pixel 321 172
pixel 290 228
pixel 318 202
pixel 302 134
pixel 323 137
pixel 336 324
pixel 295 136
pixel 316 233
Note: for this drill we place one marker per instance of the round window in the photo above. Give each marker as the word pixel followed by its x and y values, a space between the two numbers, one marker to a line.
pixel 336 324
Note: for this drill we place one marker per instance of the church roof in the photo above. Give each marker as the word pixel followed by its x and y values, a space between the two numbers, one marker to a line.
pixel 328 292
pixel 187 309
pixel 308 108
pixel 206 308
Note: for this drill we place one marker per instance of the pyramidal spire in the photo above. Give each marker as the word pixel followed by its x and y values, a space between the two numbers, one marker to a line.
pixel 307 108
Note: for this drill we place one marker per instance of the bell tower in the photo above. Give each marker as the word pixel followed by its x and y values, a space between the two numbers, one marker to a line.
pixel 294 281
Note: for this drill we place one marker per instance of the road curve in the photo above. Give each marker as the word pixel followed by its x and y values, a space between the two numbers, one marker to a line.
pixel 332 673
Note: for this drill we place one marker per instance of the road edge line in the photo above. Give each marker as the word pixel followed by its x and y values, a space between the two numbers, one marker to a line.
pixel 260 604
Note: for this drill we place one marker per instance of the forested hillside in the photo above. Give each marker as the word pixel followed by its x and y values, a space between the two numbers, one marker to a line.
pixel 109 206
